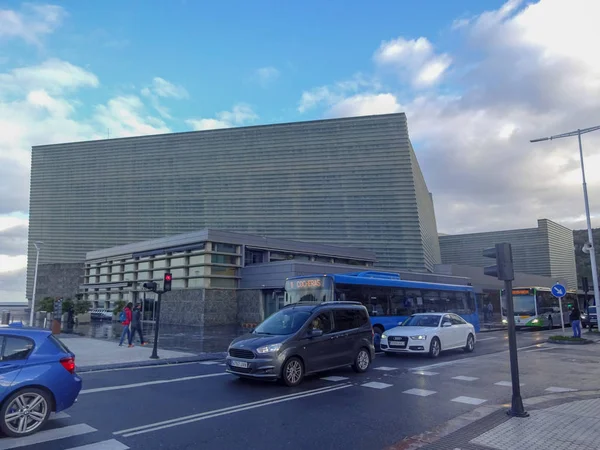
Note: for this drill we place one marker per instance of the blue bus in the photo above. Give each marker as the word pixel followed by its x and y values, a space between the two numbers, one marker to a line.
pixel 389 299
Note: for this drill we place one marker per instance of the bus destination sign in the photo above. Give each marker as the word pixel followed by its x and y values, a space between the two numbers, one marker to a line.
pixel 521 292
pixel 306 283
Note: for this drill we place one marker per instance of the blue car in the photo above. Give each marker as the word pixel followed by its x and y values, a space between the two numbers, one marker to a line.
pixel 37 377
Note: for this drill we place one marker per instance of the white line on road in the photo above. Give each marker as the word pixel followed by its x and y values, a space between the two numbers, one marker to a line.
pixel 91 371
pixel 469 400
pixel 46 436
pixel 559 389
pixel 150 383
pixel 486 339
pixel 420 392
pixel 59 415
pixel 111 444
pixel 223 411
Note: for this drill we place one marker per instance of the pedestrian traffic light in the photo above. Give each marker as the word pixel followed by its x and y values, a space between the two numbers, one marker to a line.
pixel 167 282
pixel 151 286
pixel 503 270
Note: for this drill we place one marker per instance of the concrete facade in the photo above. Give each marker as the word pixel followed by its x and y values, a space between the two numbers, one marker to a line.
pixel 59 280
pixel 352 182
pixel 547 250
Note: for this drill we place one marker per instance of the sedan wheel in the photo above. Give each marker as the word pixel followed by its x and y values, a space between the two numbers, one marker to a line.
pixel 293 372
pixel 470 344
pixel 25 412
pixel 435 348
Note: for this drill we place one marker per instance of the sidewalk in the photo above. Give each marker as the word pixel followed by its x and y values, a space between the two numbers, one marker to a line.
pixel 560 392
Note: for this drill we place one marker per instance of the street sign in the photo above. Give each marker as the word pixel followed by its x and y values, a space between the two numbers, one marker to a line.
pixel 558 290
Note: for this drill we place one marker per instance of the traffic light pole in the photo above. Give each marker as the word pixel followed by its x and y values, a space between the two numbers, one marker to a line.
pixel 155 347
pixel 516 409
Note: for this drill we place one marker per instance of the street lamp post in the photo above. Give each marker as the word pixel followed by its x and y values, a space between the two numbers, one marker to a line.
pixel 578 133
pixel 37 245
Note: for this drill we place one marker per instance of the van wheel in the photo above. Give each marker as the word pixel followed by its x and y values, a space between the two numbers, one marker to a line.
pixel 362 361
pixel 470 344
pixel 292 372
pixel 435 348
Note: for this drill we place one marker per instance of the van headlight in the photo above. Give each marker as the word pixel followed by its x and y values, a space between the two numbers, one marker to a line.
pixel 420 337
pixel 269 348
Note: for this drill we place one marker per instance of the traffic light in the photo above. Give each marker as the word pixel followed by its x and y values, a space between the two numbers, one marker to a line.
pixel 503 270
pixel 167 282
pixel 151 286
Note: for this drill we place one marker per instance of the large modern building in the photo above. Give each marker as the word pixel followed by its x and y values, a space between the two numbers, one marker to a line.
pixel 546 250
pixel 352 182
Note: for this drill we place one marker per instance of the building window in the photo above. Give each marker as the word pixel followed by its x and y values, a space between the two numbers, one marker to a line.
pixel 144 265
pixel 179 273
pixel 197 282
pixel 254 257
pixel 224 259
pixel 160 263
pixel 302 258
pixel 224 271
pixel 197 259
pixel 178 283
pixel 104 269
pixel 228 283
pixel 144 276
pixel 224 248
pixel 198 271
pixel 276 256
pixel 179 261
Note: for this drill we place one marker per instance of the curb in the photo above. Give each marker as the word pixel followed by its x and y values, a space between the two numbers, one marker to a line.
pixel 153 362
pixel 566 342
pixel 460 422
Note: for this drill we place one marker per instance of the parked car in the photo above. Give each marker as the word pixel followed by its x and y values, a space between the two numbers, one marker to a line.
pixel 37 377
pixel 304 338
pixel 429 333
pixel 590 319
pixel 101 314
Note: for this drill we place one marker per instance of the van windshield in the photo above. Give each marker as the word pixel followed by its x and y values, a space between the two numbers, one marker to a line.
pixel 286 321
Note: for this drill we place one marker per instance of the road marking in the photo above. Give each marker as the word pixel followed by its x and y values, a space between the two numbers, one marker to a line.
pixel 376 385
pixel 92 371
pixel 426 373
pixel 420 392
pixel 540 349
pixel 150 383
pixel 210 363
pixel 486 339
pixel 469 359
pixel 111 444
pixel 559 389
pixel 385 368
pixel 223 411
pixel 463 378
pixel 222 364
pixel 334 378
pixel 59 415
pixel 507 383
pixel 46 436
pixel 469 400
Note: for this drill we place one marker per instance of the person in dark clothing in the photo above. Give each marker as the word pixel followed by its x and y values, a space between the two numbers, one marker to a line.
pixel 575 317
pixel 136 323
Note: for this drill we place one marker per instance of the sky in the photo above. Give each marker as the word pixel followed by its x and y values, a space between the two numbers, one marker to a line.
pixel 477 79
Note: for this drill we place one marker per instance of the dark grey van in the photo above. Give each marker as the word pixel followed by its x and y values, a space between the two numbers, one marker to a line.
pixel 304 338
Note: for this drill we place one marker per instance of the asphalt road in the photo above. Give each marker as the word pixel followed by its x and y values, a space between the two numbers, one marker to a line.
pixel 199 406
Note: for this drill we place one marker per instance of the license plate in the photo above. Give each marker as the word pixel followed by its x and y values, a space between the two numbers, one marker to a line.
pixel 242 364
pixel 397 344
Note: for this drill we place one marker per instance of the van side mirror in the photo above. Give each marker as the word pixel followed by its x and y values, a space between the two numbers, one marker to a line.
pixel 312 333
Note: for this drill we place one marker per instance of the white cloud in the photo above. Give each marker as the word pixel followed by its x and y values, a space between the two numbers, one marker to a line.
pixel 125 116
pixel 240 115
pixel 161 88
pixel 31 23
pixel 365 105
pixel 524 71
pixel 54 76
pixel 266 75
pixel 330 95
pixel 413 59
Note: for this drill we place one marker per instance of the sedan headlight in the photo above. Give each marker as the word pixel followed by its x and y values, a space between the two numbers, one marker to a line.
pixel 269 348
pixel 418 338
pixel 383 336
pixel 583 317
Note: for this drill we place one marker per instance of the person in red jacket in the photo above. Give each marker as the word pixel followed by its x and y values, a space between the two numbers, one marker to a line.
pixel 126 321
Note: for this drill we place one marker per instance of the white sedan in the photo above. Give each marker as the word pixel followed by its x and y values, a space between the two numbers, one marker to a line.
pixel 429 333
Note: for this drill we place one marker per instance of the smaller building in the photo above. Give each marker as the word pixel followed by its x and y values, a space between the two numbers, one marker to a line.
pixel 546 251
pixel 208 268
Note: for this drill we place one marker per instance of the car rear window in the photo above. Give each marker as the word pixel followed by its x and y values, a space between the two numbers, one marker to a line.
pixel 62 347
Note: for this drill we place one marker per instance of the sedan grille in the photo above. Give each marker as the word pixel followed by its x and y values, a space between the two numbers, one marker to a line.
pixel 240 353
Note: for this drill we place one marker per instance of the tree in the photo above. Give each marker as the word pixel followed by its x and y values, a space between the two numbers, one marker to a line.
pixel 47 304
pixel 118 307
pixel 81 306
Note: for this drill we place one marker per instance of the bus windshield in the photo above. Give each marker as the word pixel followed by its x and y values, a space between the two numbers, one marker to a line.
pixel 524 305
pixel 315 290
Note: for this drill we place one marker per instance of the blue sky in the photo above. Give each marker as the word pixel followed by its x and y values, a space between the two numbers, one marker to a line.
pixel 477 80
